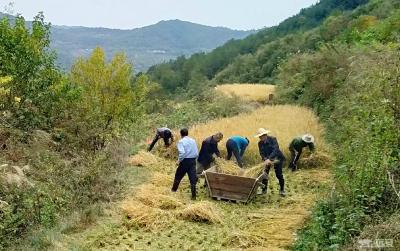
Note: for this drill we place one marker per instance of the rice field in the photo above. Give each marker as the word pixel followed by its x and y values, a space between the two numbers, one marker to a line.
pixel 248 92
pixel 153 218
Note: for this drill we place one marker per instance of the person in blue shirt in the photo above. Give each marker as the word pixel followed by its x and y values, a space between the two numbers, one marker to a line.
pixel 188 153
pixel 237 145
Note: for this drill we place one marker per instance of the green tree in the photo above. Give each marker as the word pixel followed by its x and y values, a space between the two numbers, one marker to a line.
pixel 28 63
pixel 108 101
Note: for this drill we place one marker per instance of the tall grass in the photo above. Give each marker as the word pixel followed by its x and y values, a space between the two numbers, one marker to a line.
pixel 248 92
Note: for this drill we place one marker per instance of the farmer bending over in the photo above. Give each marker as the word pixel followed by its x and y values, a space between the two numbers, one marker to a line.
pixel 237 145
pixel 296 147
pixel 209 147
pixel 164 133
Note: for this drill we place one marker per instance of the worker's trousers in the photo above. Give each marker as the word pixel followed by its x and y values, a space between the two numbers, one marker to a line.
pixel 294 157
pixel 231 147
pixel 187 166
pixel 279 175
pixel 156 138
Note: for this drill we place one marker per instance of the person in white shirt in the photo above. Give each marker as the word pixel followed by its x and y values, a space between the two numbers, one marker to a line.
pixel 188 152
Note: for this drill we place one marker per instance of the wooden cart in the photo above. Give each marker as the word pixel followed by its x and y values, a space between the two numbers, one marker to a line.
pixel 231 187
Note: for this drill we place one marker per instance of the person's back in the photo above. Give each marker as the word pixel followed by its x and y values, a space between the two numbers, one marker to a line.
pixel 298 144
pixel 187 148
pixel 237 145
pixel 241 142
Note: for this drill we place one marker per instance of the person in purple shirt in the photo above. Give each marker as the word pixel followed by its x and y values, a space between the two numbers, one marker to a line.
pixel 188 153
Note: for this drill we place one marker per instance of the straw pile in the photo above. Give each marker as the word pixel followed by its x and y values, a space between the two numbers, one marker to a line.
pixel 245 240
pixel 156 197
pixel 160 179
pixel 144 216
pixel 144 159
pixel 318 159
pixel 201 212
pixel 227 167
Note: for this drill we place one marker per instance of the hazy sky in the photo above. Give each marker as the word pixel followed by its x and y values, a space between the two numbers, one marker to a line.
pixel 127 14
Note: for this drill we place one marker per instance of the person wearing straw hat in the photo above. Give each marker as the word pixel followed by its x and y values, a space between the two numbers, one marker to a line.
pixel 296 148
pixel 272 156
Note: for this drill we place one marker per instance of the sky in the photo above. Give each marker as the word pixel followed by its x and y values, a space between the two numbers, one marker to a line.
pixel 128 14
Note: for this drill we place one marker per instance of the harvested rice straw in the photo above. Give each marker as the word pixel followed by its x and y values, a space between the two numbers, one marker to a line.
pixel 144 159
pixel 245 240
pixel 254 171
pixel 201 212
pixel 157 197
pixel 144 216
pixel 318 159
pixel 227 167
pixel 161 180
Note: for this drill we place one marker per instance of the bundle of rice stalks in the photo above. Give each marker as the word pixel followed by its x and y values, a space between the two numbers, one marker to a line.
pixel 318 159
pixel 144 158
pixel 227 167
pixel 161 180
pixel 201 212
pixel 245 240
pixel 254 171
pixel 144 216
pixel 156 197
pixel 170 152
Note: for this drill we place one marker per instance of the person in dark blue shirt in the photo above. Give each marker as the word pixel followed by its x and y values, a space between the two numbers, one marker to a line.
pixel 237 145
pixel 209 147
pixel 272 156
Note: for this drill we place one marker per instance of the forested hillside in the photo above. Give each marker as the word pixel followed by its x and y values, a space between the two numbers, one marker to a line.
pixel 145 46
pixel 255 58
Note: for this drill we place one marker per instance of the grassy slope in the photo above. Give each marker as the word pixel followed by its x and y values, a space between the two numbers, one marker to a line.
pixel 267 222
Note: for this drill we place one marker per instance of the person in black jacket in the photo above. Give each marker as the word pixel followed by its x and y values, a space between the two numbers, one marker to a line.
pixel 209 147
pixel 272 156
pixel 162 133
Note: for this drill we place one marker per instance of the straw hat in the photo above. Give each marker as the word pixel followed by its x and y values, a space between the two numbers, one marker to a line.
pixel 308 138
pixel 261 132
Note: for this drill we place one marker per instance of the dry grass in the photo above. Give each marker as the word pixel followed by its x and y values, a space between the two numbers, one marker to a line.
pixel 201 212
pixel 157 197
pixel 284 121
pixel 144 159
pixel 248 92
pixel 144 216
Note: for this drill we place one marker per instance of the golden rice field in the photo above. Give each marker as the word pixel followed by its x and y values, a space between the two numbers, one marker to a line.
pixel 284 122
pixel 153 218
pixel 248 92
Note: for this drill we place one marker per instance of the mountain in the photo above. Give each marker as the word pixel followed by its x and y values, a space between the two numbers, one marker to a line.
pixel 145 46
